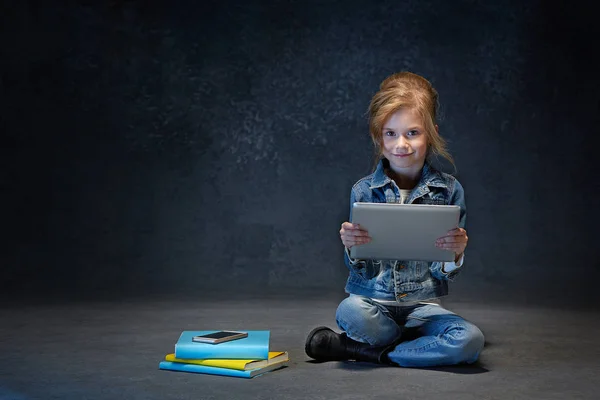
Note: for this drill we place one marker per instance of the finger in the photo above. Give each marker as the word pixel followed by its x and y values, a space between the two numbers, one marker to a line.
pixel 459 248
pixel 452 239
pixel 350 226
pixel 354 233
pixel 450 245
pixel 350 243
pixel 355 241
pixel 456 232
pixel 347 225
pixel 358 233
pixel 358 227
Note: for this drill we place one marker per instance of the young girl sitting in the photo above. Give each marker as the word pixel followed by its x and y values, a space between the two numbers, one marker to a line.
pixel 393 314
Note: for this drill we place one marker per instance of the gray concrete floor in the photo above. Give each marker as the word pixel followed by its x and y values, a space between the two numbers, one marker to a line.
pixel 111 350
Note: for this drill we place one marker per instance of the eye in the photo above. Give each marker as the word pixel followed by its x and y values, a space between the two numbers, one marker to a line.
pixel 413 132
pixel 389 133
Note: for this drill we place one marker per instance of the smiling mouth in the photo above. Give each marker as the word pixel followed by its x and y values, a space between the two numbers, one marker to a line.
pixel 402 155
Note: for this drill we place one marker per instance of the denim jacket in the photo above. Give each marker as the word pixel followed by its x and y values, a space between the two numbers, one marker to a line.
pixel 403 280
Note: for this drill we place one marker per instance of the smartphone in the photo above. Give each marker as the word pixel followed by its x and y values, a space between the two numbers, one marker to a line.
pixel 220 337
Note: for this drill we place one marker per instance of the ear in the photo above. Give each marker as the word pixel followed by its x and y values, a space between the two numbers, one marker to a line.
pixel 437 129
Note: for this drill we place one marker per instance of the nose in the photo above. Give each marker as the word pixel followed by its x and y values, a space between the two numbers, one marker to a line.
pixel 401 142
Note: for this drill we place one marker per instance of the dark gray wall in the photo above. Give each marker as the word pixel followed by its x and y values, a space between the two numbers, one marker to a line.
pixel 182 146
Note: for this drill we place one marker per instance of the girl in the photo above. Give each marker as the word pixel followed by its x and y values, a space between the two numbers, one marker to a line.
pixel 393 313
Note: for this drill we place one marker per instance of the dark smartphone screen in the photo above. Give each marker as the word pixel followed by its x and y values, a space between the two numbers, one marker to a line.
pixel 219 335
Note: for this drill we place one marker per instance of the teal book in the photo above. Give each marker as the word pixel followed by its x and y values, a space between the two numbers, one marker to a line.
pixel 203 369
pixel 253 347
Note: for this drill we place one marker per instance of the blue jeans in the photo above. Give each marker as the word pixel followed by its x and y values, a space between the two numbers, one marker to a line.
pixel 430 335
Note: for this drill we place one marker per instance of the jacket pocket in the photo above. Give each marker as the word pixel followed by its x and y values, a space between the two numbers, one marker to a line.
pixel 372 269
pixel 366 269
pixel 433 198
pixel 436 201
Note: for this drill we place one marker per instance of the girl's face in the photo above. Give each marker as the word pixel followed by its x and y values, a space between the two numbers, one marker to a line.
pixel 405 142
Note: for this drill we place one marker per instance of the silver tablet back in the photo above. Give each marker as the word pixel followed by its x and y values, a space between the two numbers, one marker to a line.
pixel 404 231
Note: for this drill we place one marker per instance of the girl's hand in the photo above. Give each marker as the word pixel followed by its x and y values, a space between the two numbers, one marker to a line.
pixel 455 240
pixel 353 234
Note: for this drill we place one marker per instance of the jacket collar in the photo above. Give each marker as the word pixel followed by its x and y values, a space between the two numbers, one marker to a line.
pixel 429 176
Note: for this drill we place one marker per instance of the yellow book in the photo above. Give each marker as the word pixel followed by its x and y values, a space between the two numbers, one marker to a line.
pixel 275 357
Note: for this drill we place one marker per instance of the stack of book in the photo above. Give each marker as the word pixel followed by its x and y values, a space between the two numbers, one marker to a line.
pixel 243 358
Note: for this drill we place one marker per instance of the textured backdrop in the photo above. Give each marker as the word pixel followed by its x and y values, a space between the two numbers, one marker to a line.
pixel 184 146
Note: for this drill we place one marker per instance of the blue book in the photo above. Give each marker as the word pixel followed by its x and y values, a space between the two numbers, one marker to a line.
pixel 253 347
pixel 203 369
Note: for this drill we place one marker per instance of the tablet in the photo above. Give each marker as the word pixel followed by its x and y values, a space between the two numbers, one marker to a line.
pixel 404 231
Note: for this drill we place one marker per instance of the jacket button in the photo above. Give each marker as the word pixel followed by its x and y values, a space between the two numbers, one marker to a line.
pixel 402 267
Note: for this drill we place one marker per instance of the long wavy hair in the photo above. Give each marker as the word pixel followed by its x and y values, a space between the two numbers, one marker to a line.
pixel 411 91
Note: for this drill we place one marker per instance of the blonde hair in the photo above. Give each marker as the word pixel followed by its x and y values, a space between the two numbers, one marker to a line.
pixel 411 91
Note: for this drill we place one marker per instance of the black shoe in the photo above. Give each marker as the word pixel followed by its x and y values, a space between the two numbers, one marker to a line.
pixel 323 344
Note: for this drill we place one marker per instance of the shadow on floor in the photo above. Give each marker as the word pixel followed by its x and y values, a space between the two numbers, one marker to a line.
pixel 464 369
